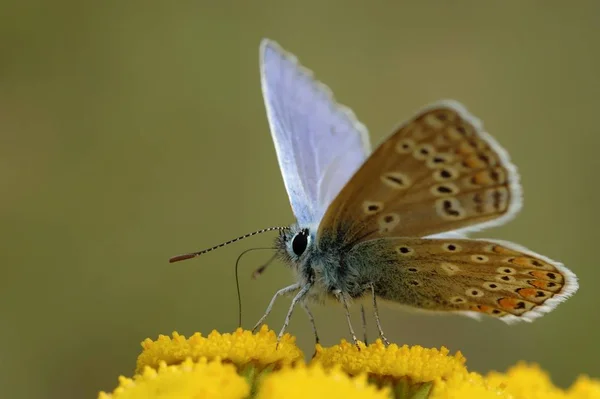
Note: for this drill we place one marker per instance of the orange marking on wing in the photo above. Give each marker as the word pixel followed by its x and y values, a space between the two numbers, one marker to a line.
pixel 547 276
pixel 482 178
pixel 474 163
pixel 508 303
pixel 521 260
pixel 527 292
pixel 545 285
pixel 465 149
pixel 538 274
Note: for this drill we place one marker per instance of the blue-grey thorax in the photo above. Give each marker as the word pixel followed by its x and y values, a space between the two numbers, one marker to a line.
pixel 332 264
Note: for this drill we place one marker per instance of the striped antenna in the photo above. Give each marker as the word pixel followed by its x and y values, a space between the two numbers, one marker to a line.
pixel 194 254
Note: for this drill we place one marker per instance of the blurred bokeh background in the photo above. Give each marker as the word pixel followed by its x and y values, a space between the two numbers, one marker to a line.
pixel 133 131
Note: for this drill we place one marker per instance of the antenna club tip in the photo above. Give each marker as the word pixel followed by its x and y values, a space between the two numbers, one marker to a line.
pixel 181 257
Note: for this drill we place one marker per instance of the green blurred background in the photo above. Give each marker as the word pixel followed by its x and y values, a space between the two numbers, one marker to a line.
pixel 133 131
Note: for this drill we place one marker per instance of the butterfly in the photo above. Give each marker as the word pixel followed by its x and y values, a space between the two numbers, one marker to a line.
pixel 390 224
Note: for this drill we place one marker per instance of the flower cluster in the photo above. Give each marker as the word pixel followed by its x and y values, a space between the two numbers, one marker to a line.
pixel 247 365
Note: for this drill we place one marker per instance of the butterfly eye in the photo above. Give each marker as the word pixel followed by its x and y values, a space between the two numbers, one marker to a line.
pixel 300 242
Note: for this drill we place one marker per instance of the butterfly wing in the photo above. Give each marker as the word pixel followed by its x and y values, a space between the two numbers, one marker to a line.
pixel 439 172
pixel 473 277
pixel 319 143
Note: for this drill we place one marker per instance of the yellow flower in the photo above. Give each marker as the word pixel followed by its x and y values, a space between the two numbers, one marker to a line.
pixel 585 388
pixel 242 348
pixel 526 381
pixel 186 380
pixel 243 364
pixel 409 371
pixel 416 363
pixel 314 382
pixel 531 382
pixel 467 386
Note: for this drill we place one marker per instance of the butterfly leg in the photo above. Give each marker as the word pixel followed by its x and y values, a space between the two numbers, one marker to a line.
pixel 376 312
pixel 311 319
pixel 299 296
pixel 279 293
pixel 364 322
pixel 345 303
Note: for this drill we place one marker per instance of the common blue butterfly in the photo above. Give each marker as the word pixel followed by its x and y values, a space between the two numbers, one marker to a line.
pixel 390 224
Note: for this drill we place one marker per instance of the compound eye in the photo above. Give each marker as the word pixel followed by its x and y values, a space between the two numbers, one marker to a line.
pixel 300 242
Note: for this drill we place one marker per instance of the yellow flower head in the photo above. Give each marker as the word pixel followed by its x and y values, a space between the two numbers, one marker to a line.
pixel 467 386
pixel 186 380
pixel 303 382
pixel 526 381
pixel 585 388
pixel 531 382
pixel 416 363
pixel 242 348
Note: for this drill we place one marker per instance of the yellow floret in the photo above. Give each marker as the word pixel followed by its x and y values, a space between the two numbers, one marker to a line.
pixel 202 380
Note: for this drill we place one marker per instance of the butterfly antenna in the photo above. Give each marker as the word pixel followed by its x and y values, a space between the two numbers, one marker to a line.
pixel 195 254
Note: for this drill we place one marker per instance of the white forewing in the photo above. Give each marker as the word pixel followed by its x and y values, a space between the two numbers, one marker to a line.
pixel 319 143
